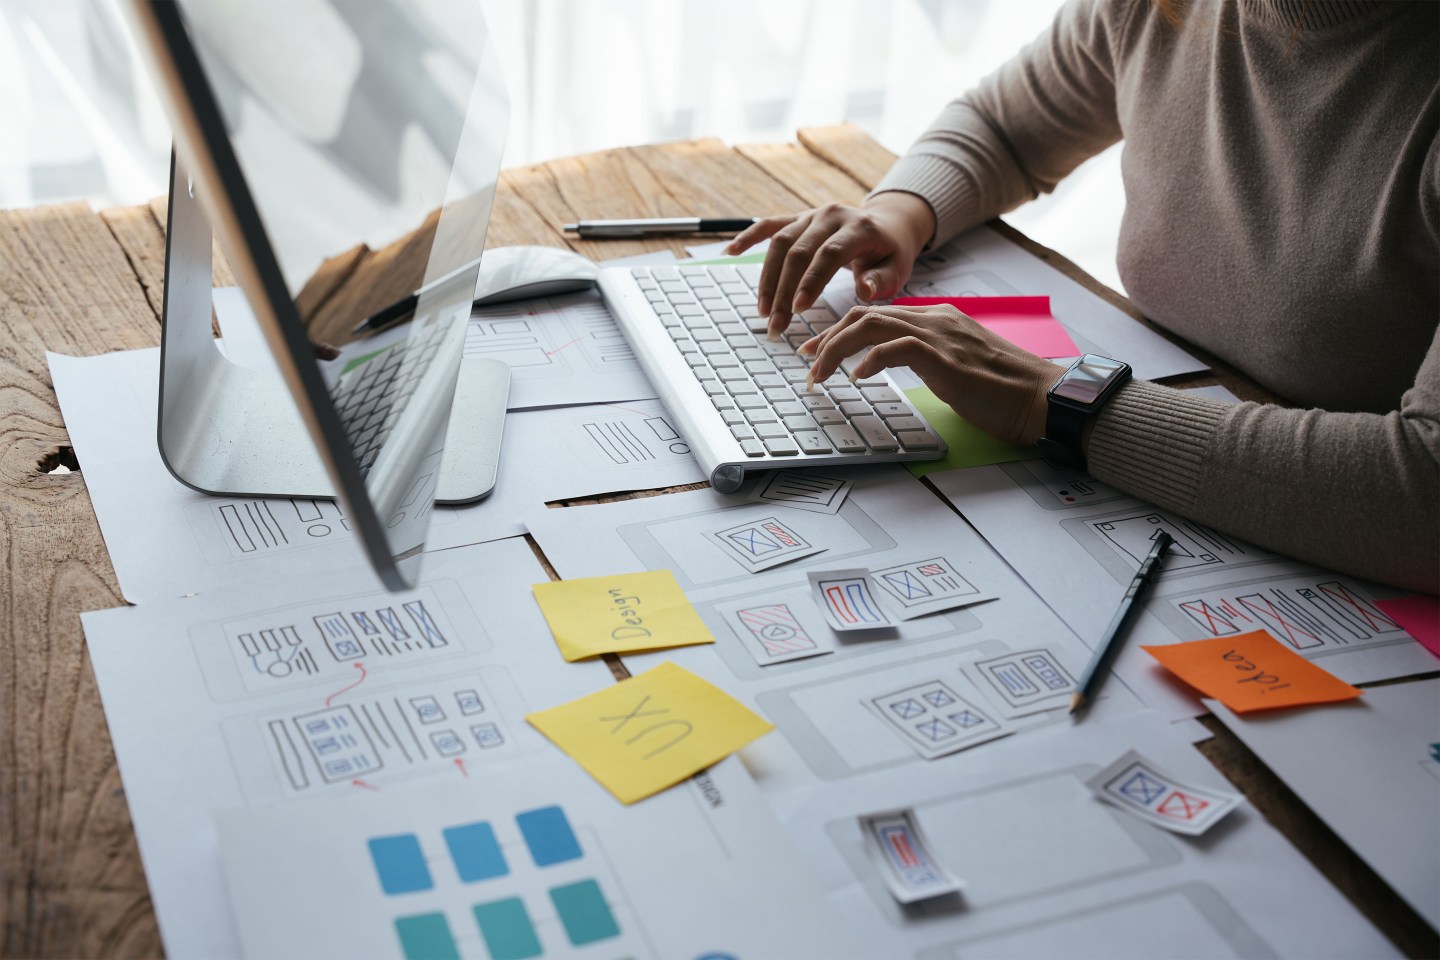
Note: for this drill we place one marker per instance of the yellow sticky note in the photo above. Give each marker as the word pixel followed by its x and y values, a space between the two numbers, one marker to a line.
pixel 650 732
pixel 619 614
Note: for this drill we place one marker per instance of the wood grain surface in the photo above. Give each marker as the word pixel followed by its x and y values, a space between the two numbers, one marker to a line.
pixel 78 282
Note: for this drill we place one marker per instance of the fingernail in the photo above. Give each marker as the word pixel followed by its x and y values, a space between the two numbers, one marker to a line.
pixel 853 378
pixel 805 349
pixel 773 337
pixel 809 382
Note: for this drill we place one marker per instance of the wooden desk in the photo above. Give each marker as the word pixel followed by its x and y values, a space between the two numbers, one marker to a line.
pixel 78 282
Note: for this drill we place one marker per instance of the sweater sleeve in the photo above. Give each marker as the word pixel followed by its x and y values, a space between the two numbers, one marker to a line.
pixel 1353 492
pixel 1025 127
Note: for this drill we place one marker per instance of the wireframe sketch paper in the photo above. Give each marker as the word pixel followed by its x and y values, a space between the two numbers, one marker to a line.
pixel 651 731
pixel 1135 784
pixel 802 490
pixel 167 540
pixel 1078 542
pixel 1050 871
pixel 539 862
pixel 775 651
pixel 899 852
pixel 1371 770
pixel 311 687
pixel 848 599
pixel 981 263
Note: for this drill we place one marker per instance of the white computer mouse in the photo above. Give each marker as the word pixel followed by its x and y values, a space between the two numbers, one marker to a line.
pixel 520 273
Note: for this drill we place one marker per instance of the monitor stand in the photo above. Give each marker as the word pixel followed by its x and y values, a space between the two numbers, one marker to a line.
pixel 210 404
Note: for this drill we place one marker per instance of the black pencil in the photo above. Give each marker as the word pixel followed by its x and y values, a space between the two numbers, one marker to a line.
pixel 1099 664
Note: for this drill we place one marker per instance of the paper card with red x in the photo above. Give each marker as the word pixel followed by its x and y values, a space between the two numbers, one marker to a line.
pixel 1135 784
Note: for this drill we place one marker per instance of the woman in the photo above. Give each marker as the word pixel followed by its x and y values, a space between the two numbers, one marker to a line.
pixel 1283 212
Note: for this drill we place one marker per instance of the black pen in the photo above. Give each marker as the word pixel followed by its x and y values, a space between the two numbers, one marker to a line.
pixel 657 227
pixel 1099 664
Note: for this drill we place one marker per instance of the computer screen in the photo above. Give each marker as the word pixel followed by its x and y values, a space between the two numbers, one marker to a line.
pixel 349 152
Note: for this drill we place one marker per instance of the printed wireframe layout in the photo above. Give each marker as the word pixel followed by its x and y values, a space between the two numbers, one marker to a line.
pixel 550 337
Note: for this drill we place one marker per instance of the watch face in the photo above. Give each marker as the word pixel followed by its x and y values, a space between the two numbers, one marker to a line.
pixel 1086 381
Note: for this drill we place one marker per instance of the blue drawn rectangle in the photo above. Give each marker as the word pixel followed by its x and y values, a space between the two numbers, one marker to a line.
pixel 548 835
pixel 476 852
pixel 506 927
pixel 584 913
pixel 426 936
pixel 400 863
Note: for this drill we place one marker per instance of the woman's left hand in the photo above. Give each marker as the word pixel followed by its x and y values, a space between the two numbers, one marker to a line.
pixel 985 378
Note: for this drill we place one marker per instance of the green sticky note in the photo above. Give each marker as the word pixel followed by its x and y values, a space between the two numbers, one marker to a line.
pixel 969 445
pixel 743 258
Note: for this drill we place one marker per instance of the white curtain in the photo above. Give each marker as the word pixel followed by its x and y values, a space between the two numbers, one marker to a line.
pixel 82 120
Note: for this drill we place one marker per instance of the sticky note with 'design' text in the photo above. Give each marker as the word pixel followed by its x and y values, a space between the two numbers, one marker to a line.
pixel 1251 671
pixel 651 731
pixel 619 614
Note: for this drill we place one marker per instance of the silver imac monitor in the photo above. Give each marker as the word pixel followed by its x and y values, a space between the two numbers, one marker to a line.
pixel 345 155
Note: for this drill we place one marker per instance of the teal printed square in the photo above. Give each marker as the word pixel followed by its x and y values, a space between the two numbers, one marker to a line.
pixel 584 912
pixel 548 835
pixel 506 927
pixel 426 936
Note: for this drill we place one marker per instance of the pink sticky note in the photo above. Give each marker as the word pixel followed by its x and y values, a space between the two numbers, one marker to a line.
pixel 1419 616
pixel 1024 321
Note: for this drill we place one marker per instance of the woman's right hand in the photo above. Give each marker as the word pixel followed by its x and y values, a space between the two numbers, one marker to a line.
pixel 878 240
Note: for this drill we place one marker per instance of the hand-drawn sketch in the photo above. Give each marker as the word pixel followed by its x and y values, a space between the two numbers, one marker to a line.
pixel 926 586
pixel 763 543
pixel 848 600
pixel 1134 784
pixel 265 526
pixel 1024 682
pixel 365 735
pixel 775 634
pixel 803 491
pixel 935 720
pixel 1309 614
pixel 1195 545
pixel 281 648
pixel 625 441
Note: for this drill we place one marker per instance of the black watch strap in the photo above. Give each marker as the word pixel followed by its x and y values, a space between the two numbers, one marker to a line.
pixel 1075 398
pixel 1064 434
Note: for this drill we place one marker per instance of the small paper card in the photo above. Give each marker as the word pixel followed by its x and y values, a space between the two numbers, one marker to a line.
pixel 619 614
pixel 1251 671
pixel 1137 785
pixel 898 851
pixel 779 627
pixel 912 590
pixel 803 490
pixel 935 719
pixel 763 543
pixel 1023 682
pixel 651 731
pixel 1024 321
pixel 848 600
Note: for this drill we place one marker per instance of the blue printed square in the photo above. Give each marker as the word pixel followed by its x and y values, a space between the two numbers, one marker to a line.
pixel 476 852
pixel 400 864
pixel 548 835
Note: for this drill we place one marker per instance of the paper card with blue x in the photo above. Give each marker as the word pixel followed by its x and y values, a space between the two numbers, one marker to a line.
pixel 1135 784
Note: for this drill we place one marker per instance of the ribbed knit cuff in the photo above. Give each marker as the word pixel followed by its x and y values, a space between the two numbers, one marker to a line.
pixel 942 184
pixel 1152 442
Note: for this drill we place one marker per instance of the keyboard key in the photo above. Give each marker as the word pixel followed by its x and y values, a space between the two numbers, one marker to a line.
pixel 752 448
pixel 918 440
pixel 888 410
pixel 719 360
pixel 817 401
pixel 770 431
pixel 812 441
pixel 825 417
pixel 687 309
pixel 731 328
pixel 732 374
pixel 789 408
pixel 696 360
pixel 777 348
pixel 842 393
pixel 723 402
pixel 800 421
pixel 707 333
pixel 750 352
pixel 789 362
pixel 781 447
pixel 769 380
pixel 763 365
pixel 845 439
pixel 777 394
pixel 750 273
pixel 876 434
pixel 732 417
pixel 880 395
pixel 715 348
pixel 715 388
pixel 855 408
pixel 762 414
pixel 751 401
pixel 795 376
pixel 742 431
pixel 898 424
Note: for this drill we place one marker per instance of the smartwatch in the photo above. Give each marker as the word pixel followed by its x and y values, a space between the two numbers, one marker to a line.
pixel 1075 399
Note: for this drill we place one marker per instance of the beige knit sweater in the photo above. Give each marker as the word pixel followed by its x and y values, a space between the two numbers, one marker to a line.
pixel 1282 210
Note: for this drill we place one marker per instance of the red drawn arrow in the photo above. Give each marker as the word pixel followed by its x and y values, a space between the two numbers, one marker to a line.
pixel 551 353
pixel 361 668
pixel 460 762
pixel 363 784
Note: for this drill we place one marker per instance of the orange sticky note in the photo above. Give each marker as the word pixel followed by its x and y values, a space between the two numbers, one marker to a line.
pixel 1251 671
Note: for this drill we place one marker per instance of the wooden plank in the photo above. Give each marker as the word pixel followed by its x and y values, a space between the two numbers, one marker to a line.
pixel 143 242
pixel 850 149
pixel 70 877
pixel 807 175
pixel 219 267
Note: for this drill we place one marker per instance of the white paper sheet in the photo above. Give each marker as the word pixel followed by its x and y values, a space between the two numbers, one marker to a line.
pixel 819 702
pixel 1078 542
pixel 1051 871
pixel 1370 768
pixel 167 540
pixel 983 263
pixel 311 686
pixel 541 860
